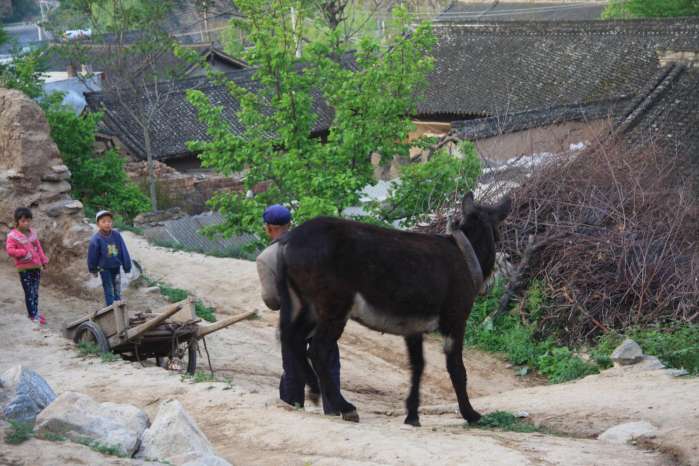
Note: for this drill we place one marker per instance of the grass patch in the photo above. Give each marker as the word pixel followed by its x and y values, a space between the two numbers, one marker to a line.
pixel 90 349
pixel 199 377
pixel 502 420
pixel 514 336
pixel 19 432
pixel 677 346
pixel 175 295
pixel 111 450
pixel 52 437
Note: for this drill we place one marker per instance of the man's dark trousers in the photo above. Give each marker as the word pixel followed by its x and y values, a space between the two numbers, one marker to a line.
pixel 291 389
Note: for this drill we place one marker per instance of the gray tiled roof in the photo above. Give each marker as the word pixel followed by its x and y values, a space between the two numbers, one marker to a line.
pixel 488 69
pixel 667 114
pixel 176 121
pixel 530 11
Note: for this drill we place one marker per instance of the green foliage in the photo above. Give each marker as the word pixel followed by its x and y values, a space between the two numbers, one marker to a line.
pixel 23 73
pixel 424 187
pixel 99 181
pixel 89 348
pixel 112 450
pixel 372 102
pixel 199 377
pixel 677 346
pixel 502 420
pixel 236 252
pixel 650 8
pixel 175 295
pixel 52 437
pixel 508 334
pixel 19 432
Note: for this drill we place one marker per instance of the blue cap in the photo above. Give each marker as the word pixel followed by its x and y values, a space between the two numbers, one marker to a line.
pixel 276 215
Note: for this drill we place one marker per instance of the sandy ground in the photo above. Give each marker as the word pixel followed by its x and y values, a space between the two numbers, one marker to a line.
pixel 247 428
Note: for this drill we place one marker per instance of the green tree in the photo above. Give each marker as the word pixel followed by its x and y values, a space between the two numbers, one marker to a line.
pixel 99 181
pixel 128 42
pixel 426 187
pixel 370 85
pixel 650 8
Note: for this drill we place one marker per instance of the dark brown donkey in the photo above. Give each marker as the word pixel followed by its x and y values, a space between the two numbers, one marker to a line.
pixel 391 281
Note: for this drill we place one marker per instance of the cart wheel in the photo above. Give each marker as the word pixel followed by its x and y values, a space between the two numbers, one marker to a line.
pixel 90 332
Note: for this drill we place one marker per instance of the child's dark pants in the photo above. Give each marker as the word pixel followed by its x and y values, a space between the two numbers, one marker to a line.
pixel 30 283
pixel 111 284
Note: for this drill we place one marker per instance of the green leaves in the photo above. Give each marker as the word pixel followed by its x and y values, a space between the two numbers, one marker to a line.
pixel 650 8
pixel 370 86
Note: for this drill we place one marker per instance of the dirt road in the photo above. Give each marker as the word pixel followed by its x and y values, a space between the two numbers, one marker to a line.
pixel 248 429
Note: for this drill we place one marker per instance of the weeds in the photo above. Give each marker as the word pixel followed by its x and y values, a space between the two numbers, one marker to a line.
pixel 502 420
pixel 175 295
pixel 52 437
pixel 19 432
pixel 90 349
pixel 111 450
pixel 199 377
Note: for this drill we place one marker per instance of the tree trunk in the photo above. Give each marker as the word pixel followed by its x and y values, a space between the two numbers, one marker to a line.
pixel 151 169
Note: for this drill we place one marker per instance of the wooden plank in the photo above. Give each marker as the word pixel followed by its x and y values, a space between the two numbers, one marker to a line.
pixel 203 331
pixel 121 319
pixel 93 315
pixel 144 327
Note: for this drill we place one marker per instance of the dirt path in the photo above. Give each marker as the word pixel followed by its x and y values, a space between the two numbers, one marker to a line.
pixel 248 429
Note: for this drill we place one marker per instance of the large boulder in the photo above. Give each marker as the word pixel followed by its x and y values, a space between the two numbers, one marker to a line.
pixel 623 433
pixel 32 174
pixel 174 436
pixel 23 394
pixel 79 417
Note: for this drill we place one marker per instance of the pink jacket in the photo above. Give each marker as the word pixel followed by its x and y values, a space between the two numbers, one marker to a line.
pixel 25 250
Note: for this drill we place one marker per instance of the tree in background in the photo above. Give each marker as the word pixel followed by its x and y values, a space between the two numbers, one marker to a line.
pixel 370 85
pixel 127 44
pixel 650 8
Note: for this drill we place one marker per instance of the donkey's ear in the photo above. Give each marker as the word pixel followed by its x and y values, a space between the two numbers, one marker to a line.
pixel 467 204
pixel 503 209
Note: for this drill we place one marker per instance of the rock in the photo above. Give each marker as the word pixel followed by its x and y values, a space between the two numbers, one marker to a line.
pixel 152 290
pixel 192 459
pixel 627 353
pixel 55 177
pixel 677 372
pixel 78 416
pixel 54 187
pixel 63 207
pixel 174 434
pixel 628 431
pixel 60 169
pixel 154 218
pixel 651 363
pixel 24 394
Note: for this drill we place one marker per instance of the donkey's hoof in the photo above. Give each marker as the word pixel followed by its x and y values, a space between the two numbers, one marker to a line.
pixel 415 422
pixel 473 417
pixel 351 416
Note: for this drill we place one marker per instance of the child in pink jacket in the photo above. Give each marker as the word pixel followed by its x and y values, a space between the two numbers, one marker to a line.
pixel 24 247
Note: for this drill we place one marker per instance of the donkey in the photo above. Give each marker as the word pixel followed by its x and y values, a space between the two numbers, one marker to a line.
pixel 403 283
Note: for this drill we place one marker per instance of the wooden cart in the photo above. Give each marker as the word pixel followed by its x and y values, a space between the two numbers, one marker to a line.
pixel 170 335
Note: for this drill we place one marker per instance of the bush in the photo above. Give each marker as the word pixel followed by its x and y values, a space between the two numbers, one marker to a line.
pixel 98 181
pixel 19 432
pixel 505 421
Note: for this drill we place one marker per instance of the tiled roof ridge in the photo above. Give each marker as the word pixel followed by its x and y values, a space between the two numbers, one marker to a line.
pixel 654 92
pixel 631 26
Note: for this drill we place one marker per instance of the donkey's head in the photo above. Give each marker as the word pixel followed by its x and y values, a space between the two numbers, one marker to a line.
pixel 481 224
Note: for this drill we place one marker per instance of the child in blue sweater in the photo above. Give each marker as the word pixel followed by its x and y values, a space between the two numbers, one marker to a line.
pixel 106 254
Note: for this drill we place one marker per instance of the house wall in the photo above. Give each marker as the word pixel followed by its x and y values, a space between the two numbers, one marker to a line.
pixel 553 139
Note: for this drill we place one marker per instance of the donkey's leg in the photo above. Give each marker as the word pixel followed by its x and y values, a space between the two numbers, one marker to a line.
pixel 417 364
pixel 453 348
pixel 320 352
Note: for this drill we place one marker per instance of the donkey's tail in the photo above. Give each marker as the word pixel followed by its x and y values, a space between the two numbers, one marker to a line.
pixel 286 310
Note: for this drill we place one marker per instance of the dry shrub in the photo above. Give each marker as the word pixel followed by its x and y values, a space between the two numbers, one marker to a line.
pixel 616 235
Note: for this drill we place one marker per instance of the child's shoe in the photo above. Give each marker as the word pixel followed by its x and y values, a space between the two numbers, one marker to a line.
pixel 36 324
pixel 42 319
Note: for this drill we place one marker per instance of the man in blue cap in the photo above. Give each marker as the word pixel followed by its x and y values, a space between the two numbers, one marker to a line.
pixel 277 222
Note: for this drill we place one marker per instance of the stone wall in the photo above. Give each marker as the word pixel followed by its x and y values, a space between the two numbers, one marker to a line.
pixel 188 191
pixel 32 174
